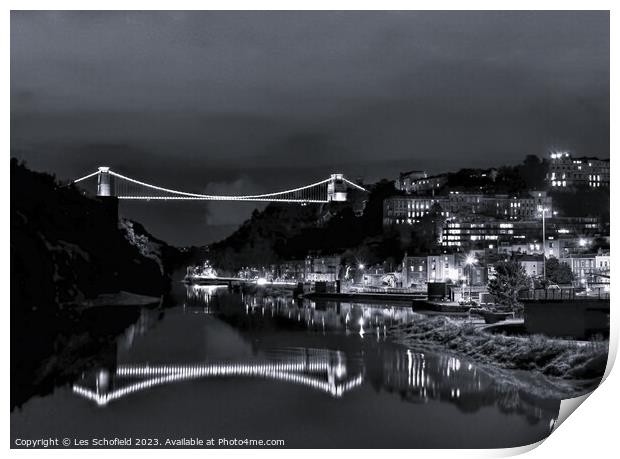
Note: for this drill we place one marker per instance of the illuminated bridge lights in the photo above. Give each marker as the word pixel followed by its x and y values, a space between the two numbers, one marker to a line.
pixel 299 371
pixel 127 188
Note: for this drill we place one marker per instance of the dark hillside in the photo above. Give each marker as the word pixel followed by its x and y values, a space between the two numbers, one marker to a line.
pixel 66 247
pixel 291 231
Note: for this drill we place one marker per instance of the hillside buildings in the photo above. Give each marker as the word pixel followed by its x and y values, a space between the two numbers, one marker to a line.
pixel 408 210
pixel 420 182
pixel 567 172
pixel 468 215
pixel 477 227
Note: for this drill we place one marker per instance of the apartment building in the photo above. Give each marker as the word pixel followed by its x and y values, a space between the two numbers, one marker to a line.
pixel 566 172
pixel 408 210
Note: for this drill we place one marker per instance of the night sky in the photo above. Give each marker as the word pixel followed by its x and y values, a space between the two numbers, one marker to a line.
pixel 252 102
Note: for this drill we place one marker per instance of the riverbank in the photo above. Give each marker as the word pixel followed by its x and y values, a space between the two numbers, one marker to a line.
pixel 569 369
pixel 416 302
pixel 363 296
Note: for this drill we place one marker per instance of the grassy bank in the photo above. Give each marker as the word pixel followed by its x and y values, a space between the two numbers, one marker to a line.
pixel 573 368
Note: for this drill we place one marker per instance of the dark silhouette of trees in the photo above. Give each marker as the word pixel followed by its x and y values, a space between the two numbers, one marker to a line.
pixel 70 247
pixel 284 232
pixel 529 175
pixel 583 202
pixel 533 171
pixel 423 237
pixel 558 273
pixel 372 219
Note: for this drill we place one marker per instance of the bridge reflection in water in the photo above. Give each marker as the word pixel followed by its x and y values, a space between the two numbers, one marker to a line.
pixel 318 369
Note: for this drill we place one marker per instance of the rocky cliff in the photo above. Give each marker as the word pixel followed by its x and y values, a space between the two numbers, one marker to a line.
pixel 67 247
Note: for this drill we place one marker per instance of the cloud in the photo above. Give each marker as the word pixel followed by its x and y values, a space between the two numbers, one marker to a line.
pixel 226 213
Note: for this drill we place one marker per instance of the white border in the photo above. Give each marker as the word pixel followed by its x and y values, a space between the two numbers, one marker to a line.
pixel 590 433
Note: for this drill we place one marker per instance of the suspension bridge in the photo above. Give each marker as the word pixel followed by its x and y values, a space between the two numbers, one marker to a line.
pixel 111 183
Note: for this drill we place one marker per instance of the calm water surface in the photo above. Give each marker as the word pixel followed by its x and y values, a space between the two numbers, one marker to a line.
pixel 225 365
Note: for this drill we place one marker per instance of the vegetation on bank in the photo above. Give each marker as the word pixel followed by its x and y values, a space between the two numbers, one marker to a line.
pixel 583 365
pixel 510 278
pixel 286 232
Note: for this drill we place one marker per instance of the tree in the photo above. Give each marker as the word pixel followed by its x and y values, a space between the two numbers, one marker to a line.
pixel 533 171
pixel 558 273
pixel 423 237
pixel 510 278
pixel 583 201
pixel 372 219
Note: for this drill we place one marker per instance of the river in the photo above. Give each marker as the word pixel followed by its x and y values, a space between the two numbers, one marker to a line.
pixel 215 364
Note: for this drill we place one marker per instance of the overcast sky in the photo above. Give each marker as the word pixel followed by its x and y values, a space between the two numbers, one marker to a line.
pixel 257 101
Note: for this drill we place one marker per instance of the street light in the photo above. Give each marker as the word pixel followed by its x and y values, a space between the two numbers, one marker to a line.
pixel 544 211
pixel 470 261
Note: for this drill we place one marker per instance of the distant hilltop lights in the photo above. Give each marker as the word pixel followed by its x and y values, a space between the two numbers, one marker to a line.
pixel 566 171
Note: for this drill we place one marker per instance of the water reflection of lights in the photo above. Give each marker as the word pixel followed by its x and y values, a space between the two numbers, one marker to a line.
pixel 321 370
pixel 444 377
pixel 199 297
pixel 144 323
pixel 415 376
pixel 359 318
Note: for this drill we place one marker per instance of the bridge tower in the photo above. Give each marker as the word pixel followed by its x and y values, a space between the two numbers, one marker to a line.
pixel 336 188
pixel 104 192
pixel 103 182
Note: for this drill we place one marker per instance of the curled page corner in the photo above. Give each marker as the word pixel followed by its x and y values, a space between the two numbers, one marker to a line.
pixel 568 406
pixel 518 450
